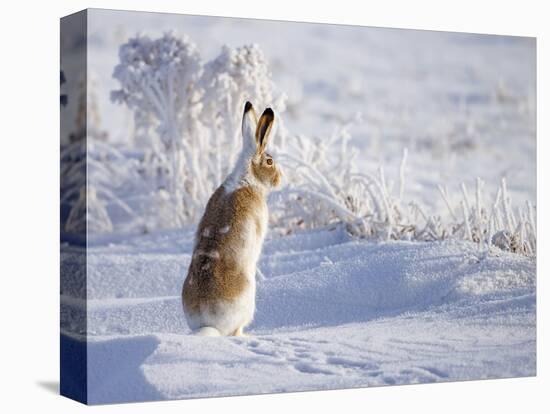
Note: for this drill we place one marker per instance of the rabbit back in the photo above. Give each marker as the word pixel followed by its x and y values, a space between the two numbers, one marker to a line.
pixel 220 287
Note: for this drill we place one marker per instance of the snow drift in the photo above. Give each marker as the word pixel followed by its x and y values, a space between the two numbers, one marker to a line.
pixel 332 312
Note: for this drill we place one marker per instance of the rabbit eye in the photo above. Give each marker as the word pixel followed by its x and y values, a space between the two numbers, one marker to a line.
pixel 269 161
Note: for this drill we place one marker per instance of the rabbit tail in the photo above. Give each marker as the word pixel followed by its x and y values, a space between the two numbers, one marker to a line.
pixel 207 331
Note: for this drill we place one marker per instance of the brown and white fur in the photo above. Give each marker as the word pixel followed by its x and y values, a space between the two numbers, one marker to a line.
pixel 219 292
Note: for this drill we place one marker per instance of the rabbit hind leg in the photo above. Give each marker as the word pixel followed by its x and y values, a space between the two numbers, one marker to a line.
pixel 239 332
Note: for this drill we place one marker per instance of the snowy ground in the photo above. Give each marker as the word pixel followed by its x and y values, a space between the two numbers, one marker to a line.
pixel 331 313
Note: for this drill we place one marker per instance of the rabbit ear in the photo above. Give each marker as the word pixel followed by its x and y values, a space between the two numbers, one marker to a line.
pixel 250 122
pixel 264 127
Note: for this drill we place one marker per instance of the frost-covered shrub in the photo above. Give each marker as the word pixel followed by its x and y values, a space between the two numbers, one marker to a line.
pixel 88 214
pixel 190 112
pixel 195 111
pixel 495 224
pixel 107 173
pixel 89 160
pixel 326 188
pixel 157 78
pixel 500 225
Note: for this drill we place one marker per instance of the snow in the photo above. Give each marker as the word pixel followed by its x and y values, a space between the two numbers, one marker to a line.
pixel 332 312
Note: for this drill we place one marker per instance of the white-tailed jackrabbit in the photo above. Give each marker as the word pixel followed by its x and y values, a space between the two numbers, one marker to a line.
pixel 219 292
